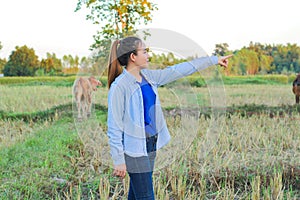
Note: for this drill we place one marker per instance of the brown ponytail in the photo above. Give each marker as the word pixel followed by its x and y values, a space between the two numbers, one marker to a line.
pixel 119 56
pixel 114 66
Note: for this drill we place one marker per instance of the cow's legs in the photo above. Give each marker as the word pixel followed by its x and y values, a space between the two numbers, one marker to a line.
pixel 79 108
pixel 297 99
pixel 83 109
pixel 89 103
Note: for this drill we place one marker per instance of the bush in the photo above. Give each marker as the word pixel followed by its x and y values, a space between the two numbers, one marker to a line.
pixel 197 81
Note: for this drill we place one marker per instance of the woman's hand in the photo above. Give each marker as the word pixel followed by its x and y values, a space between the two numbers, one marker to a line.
pixel 223 61
pixel 120 170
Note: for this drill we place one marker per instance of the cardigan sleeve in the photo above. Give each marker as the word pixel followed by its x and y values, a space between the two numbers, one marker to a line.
pixel 115 124
pixel 172 73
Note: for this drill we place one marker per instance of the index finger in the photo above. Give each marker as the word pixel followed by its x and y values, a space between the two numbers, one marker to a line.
pixel 228 56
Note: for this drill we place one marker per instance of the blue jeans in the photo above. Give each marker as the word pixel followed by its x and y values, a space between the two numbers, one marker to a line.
pixel 141 186
pixel 140 170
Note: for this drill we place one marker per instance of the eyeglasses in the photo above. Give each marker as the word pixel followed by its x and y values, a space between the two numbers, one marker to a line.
pixel 145 49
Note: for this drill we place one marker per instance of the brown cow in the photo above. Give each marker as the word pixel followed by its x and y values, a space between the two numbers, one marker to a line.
pixel 296 88
pixel 82 91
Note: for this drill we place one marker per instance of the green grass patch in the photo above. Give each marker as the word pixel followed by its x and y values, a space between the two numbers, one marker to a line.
pixel 64 81
pixel 29 169
pixel 258 79
pixel 35 80
pixel 49 114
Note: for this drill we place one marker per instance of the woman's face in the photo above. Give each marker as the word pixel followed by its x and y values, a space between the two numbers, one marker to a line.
pixel 142 57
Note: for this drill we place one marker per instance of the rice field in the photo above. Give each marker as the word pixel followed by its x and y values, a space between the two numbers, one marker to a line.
pixel 34 98
pixel 236 157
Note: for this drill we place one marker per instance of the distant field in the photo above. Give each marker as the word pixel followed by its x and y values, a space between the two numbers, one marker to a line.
pixel 239 156
pixel 35 98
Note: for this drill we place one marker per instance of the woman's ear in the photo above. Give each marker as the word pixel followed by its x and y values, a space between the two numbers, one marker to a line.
pixel 132 57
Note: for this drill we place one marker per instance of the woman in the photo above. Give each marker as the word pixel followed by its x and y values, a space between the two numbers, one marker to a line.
pixel 136 126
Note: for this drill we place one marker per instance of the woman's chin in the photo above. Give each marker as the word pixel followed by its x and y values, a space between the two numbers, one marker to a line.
pixel 145 66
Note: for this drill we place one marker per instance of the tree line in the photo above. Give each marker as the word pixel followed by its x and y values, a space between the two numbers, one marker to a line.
pixel 249 60
pixel 117 19
pixel 24 62
pixel 257 58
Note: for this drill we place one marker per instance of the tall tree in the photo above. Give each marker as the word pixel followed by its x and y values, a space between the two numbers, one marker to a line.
pixel 2 61
pixel 248 61
pixel 117 18
pixel 2 64
pixel 265 60
pixel 265 63
pixel 51 63
pixel 233 67
pixel 68 61
pixel 70 64
pixel 221 49
pixel 21 62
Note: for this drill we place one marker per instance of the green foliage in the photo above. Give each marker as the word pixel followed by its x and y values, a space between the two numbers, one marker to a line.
pixel 24 62
pixel 221 49
pixel 68 61
pixel 21 62
pixel 254 59
pixel 2 61
pixel 117 19
pixel 2 64
pixel 246 61
pixel 197 81
pixel 51 64
pixel 262 59
pixel 160 61
pixel 39 72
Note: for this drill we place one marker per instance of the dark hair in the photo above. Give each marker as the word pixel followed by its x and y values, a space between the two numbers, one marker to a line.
pixel 119 56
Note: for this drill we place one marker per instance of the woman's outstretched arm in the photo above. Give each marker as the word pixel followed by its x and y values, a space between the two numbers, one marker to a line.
pixel 172 73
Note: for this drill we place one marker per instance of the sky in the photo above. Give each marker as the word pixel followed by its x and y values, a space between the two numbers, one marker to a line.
pixel 53 26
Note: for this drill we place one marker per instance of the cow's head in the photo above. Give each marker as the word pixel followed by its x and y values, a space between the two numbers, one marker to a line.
pixel 95 83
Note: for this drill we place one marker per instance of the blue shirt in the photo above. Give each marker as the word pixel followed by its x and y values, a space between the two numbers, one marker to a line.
pixel 149 107
pixel 125 119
